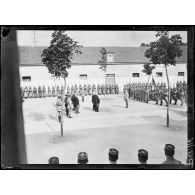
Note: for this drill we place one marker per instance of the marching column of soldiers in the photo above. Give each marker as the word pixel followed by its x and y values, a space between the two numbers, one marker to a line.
pixel 42 91
pixel 158 93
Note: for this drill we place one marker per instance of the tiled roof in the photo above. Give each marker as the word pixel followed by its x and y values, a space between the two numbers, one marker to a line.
pixel 91 55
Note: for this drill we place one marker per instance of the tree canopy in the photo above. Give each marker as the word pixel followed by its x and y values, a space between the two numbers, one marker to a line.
pixel 103 61
pixel 148 69
pixel 58 56
pixel 165 49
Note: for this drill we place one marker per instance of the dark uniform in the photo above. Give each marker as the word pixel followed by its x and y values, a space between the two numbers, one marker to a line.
pixel 82 158
pixel 75 101
pixel 103 87
pixel 169 153
pixel 113 156
pixel 96 102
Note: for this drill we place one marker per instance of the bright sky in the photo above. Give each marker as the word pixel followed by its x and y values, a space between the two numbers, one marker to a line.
pixel 95 38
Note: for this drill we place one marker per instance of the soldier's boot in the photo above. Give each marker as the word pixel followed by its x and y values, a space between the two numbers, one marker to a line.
pixel 161 102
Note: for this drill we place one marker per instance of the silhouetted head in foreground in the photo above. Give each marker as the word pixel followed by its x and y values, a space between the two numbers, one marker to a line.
pixel 82 158
pixel 169 150
pixel 113 155
pixel 142 156
pixel 54 160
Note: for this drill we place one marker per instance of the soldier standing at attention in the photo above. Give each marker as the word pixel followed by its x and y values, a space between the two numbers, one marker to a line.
pixel 142 156
pixel 30 94
pixel 126 98
pixel 113 156
pixel 169 153
pixel 49 91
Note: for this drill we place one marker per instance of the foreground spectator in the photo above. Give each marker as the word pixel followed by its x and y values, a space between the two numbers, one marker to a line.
pixel 142 156
pixel 82 158
pixel 54 160
pixel 113 156
pixel 169 153
pixel 96 102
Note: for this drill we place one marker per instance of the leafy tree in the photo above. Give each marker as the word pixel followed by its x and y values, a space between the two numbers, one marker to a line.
pixel 165 51
pixel 58 56
pixel 103 62
pixel 148 71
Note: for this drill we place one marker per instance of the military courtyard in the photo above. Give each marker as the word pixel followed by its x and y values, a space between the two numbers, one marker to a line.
pixel 141 126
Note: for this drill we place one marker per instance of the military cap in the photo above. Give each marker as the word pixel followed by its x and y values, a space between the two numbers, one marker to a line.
pixel 54 160
pixel 82 158
pixel 142 155
pixel 169 149
pixel 113 155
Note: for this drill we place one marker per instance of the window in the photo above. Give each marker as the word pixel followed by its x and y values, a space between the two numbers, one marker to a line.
pixel 180 73
pixel 159 74
pixel 83 76
pixel 135 75
pixel 26 78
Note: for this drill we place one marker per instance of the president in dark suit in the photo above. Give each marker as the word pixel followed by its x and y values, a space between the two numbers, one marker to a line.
pixel 96 102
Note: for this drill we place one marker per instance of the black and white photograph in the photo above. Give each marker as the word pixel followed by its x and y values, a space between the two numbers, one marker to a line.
pixel 100 98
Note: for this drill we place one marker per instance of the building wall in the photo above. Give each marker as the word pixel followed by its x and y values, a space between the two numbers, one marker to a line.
pixel 123 74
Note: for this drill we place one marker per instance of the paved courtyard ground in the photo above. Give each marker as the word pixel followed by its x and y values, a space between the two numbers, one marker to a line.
pixel 140 126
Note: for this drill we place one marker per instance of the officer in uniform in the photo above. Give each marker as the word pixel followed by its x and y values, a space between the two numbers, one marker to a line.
pixel 49 91
pixel 142 156
pixel 68 105
pixel 107 89
pixel 44 92
pixel 113 155
pixel 110 89
pixel 169 153
pixel 173 95
pixel 75 101
pixel 54 160
pixel 26 92
pixel 53 91
pixel 30 92
pixel 82 158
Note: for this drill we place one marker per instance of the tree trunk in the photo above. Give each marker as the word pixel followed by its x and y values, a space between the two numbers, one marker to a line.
pixel 105 82
pixel 148 88
pixel 168 96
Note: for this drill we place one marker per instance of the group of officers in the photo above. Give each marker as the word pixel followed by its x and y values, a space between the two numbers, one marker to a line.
pixel 158 93
pixel 113 156
pixel 34 92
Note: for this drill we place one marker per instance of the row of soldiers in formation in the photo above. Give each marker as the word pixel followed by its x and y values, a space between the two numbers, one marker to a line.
pixel 158 93
pixel 29 92
pixel 113 155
